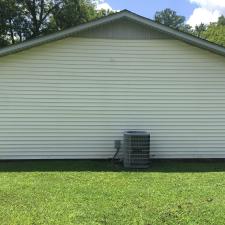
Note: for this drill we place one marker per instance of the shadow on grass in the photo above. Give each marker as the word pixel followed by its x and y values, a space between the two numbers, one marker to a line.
pixel 164 166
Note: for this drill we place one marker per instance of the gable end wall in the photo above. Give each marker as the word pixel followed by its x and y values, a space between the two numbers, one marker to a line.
pixel 124 30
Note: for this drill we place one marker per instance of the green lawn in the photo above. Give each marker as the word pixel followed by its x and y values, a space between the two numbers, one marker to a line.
pixel 98 192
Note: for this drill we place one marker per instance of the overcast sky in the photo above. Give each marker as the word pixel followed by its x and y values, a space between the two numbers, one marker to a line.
pixel 195 11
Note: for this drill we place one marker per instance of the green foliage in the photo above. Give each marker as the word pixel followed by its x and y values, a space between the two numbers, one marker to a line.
pixel 199 29
pixel 170 18
pixel 73 12
pixel 11 22
pixel 215 33
pixel 24 19
pixel 98 193
pixel 221 21
pixel 37 14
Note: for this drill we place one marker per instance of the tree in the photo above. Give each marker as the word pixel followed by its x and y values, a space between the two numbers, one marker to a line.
pixel 73 12
pixel 13 24
pixel 221 21
pixel 24 19
pixel 38 13
pixel 170 18
pixel 3 24
pixel 200 29
pixel 215 33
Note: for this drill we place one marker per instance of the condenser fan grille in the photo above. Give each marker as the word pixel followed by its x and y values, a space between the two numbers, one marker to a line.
pixel 136 149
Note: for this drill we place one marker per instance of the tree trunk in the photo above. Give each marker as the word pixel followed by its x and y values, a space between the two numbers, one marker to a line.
pixel 11 32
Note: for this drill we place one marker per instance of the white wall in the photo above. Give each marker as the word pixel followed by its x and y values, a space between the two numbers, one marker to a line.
pixel 124 29
pixel 74 97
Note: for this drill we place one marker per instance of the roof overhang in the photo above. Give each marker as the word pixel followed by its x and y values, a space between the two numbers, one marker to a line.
pixel 190 39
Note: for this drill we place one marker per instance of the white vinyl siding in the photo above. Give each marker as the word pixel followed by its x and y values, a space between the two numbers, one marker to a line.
pixel 72 98
pixel 124 29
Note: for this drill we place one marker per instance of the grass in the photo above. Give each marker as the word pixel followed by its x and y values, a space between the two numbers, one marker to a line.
pixel 98 192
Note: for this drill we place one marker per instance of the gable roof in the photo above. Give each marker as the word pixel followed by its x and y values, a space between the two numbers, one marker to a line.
pixel 190 39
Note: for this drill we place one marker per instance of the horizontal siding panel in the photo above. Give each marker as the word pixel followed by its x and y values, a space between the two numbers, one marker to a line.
pixel 113 132
pixel 131 74
pixel 95 82
pixel 120 65
pixel 116 134
pixel 111 112
pixel 72 108
pixel 122 94
pixel 106 143
pixel 131 102
pixel 94 138
pixel 58 145
pixel 82 60
pixel 52 128
pixel 99 87
pixel 114 124
pixel 72 98
pixel 72 104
